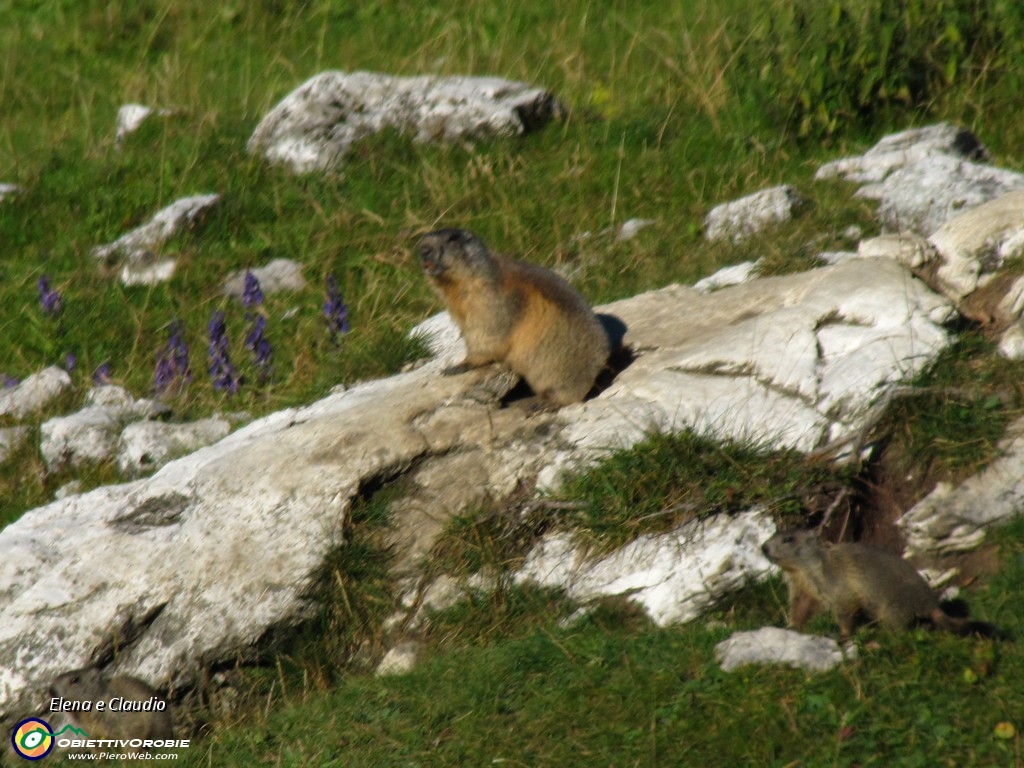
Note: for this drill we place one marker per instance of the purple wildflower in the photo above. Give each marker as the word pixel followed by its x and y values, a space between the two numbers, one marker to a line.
pixel 335 310
pixel 172 364
pixel 101 376
pixel 49 299
pixel 252 296
pixel 225 376
pixel 257 342
pixel 70 361
pixel 10 382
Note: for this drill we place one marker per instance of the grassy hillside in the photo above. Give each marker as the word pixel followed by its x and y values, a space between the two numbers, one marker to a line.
pixel 673 108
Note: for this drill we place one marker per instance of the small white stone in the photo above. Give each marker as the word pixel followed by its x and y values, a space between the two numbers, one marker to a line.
pixel 399 660
pixel 772 645
pixel 34 393
pixel 749 215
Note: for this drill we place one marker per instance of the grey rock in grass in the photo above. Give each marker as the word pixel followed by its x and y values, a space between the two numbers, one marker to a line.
pixel 92 435
pixel 905 148
pixel 136 253
pixel 195 563
pixel 399 660
pixel 148 445
pixel 314 127
pixel 35 393
pixel 8 190
pixel 632 227
pixel 924 195
pixel 80 439
pixel 274 277
pixel 955 519
pixel 739 219
pixel 775 646
pixel 924 177
pixel 12 439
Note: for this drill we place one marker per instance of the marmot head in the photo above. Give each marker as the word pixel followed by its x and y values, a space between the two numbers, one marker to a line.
pixel 81 684
pixel 793 547
pixel 455 252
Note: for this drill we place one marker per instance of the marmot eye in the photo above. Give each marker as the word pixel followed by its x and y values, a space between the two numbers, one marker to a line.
pixel 454 238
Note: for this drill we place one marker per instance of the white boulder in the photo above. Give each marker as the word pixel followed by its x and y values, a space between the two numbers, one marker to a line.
pixel 313 127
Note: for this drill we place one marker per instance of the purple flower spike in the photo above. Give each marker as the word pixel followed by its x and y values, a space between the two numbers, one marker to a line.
pixel 172 364
pixel 256 342
pixel 70 361
pixel 49 299
pixel 10 382
pixel 335 310
pixel 225 376
pixel 252 296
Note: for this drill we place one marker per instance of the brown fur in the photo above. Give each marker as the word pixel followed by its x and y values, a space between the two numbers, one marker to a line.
pixel 516 313
pixel 90 685
pixel 857 581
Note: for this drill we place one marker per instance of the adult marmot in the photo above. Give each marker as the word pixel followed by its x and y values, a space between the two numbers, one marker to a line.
pixel 516 313
pixel 131 709
pixel 857 581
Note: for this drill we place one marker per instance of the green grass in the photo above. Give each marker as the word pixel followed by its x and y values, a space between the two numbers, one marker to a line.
pixel 671 111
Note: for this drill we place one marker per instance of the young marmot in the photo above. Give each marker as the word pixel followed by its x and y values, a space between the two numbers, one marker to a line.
pixel 857 581
pixel 517 313
pixel 122 716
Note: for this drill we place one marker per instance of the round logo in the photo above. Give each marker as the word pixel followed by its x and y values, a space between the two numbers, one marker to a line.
pixel 33 738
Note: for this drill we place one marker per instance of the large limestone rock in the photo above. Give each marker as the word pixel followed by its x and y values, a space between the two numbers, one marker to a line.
pixel 313 127
pixel 197 562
